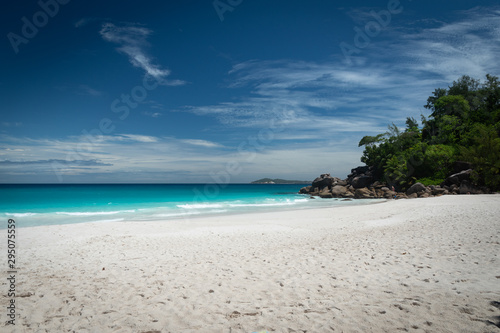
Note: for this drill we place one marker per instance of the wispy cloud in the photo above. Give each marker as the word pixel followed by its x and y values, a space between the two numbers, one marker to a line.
pixel 11 124
pixel 152 114
pixel 164 159
pixel 88 91
pixel 392 81
pixel 74 158
pixel 202 143
pixel 154 105
pixel 319 97
pixel 131 138
pixel 323 107
pixel 51 161
pixel 470 46
pixel 86 20
pixel 132 41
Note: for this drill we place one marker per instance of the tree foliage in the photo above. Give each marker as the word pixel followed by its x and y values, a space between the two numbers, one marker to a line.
pixel 464 125
pixel 484 154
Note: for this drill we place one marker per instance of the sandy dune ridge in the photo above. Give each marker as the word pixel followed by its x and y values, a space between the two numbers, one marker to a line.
pixel 423 265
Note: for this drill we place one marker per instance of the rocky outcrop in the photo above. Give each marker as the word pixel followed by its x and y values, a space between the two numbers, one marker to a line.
pixel 360 177
pixel 325 194
pixel 467 187
pixel 416 188
pixel 461 183
pixel 361 181
pixel 360 184
pixel 305 190
pixel 325 180
pixel 457 178
pixel 339 191
pixel 438 190
pixel 461 166
pixel 364 193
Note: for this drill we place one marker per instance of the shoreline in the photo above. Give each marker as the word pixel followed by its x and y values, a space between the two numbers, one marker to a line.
pixel 418 265
pixel 131 214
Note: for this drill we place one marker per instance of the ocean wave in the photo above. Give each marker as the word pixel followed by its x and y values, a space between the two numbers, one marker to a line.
pixel 270 203
pixel 21 214
pixel 219 211
pixel 200 206
pixel 175 214
pixel 262 204
pixel 110 220
pixel 240 203
pixel 95 213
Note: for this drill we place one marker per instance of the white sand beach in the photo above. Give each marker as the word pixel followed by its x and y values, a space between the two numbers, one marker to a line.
pixel 421 265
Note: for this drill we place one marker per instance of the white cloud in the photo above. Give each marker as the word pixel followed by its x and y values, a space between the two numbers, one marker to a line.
pixel 329 104
pixel 86 20
pixel 319 96
pixel 152 114
pixel 11 124
pixel 133 41
pixel 322 108
pixel 469 46
pixel 51 161
pixel 124 138
pixel 165 159
pixel 137 138
pixel 202 143
pixel 86 90
pixel 132 154
pixel 392 82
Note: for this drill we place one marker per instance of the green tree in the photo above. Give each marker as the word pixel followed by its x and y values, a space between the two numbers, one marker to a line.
pixel 491 96
pixel 464 124
pixel 436 94
pixel 396 171
pixel 484 155
pixel 411 124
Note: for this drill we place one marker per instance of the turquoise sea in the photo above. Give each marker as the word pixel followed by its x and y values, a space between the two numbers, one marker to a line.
pixel 47 204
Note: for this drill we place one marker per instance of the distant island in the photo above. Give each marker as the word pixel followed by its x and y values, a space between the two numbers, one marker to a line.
pixel 279 181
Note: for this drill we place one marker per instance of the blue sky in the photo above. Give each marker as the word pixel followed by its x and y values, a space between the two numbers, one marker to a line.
pixel 225 90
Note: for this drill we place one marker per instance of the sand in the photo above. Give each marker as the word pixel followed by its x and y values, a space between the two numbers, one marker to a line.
pixel 421 265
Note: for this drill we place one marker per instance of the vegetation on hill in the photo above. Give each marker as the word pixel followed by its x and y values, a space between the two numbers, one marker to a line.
pixel 464 125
